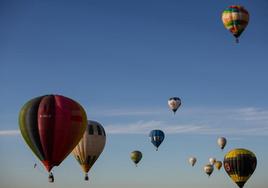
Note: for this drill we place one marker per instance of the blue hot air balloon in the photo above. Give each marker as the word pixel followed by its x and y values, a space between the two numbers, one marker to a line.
pixel 157 137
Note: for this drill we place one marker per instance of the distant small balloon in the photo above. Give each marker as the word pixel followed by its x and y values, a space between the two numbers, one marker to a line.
pixel 212 160
pixel 174 103
pixel 218 165
pixel 157 137
pixel 136 156
pixel 222 142
pixel 235 18
pixel 208 169
pixel 192 161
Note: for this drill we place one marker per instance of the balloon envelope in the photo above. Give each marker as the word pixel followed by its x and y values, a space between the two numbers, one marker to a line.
pixel 192 161
pixel 240 165
pixel 212 160
pixel 136 156
pixel 90 146
pixel 208 169
pixel 52 125
pixel 222 142
pixel 235 18
pixel 174 103
pixel 157 137
pixel 218 165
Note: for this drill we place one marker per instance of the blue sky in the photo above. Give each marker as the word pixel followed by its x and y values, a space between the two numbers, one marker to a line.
pixel 122 60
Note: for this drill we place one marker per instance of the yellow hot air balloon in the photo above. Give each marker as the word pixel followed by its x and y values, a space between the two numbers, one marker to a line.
pixel 240 165
pixel 90 146
pixel 235 18
pixel 218 164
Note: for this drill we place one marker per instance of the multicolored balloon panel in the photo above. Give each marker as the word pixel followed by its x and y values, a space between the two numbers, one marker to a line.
pixel 235 18
pixel 52 125
pixel 240 165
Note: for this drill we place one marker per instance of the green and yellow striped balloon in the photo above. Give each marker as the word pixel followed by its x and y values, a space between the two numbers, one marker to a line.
pixel 235 18
pixel 240 165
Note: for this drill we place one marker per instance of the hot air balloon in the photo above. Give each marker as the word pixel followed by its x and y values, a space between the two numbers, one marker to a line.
pixel 235 18
pixel 212 160
pixel 218 165
pixel 90 146
pixel 136 156
pixel 222 142
pixel 174 103
pixel 192 161
pixel 157 137
pixel 52 125
pixel 240 165
pixel 208 169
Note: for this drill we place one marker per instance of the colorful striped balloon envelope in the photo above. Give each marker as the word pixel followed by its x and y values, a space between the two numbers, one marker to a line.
pixel 235 18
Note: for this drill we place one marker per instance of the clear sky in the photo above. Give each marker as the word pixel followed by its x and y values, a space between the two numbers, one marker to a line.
pixel 122 60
